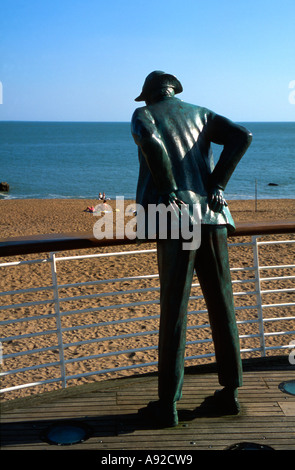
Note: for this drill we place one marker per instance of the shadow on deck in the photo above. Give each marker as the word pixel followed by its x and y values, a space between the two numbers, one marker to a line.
pixel 109 411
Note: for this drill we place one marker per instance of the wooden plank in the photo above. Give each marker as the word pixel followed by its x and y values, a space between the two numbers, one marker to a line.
pixel 288 408
pixel 267 417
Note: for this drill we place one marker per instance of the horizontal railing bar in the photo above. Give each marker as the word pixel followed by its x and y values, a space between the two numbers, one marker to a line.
pixel 30 351
pixel 32 384
pixel 244 281
pixel 109 354
pixel 136 278
pixel 102 324
pixel 134 319
pixel 274 291
pixel 247 350
pixel 127 335
pixel 26 369
pixel 250 292
pixel 282 266
pixel 103 255
pixel 280 333
pixel 25 319
pixel 114 369
pixel 277 278
pixel 141 333
pixel 246 307
pixel 278 319
pixel 269 348
pixel 95 325
pixel 97 340
pixel 126 253
pixel 28 335
pixel 253 335
pixel 105 281
pixel 287 304
pixel 250 307
pixel 136 291
pixel 247 322
pixel 241 244
pixel 82 240
pixel 201 356
pixel 242 269
pixel 109 307
pixel 30 261
pixel 27 304
pixel 108 294
pixel 198 341
pixel 277 242
pixel 26 291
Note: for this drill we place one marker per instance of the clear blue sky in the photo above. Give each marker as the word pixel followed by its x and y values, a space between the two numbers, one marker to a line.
pixel 86 60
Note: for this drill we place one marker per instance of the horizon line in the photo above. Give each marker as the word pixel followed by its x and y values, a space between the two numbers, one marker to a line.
pixel 116 122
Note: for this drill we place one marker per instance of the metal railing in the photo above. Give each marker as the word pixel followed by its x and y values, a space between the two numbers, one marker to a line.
pixel 116 318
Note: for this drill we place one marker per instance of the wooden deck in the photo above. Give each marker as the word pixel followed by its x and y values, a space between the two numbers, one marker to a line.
pixel 110 409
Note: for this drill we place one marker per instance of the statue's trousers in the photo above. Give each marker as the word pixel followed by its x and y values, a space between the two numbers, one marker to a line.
pixel 176 268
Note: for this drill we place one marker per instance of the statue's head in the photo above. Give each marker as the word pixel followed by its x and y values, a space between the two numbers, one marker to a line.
pixel 157 81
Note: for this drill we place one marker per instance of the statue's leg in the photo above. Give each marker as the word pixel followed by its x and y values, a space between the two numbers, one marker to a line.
pixel 176 268
pixel 212 267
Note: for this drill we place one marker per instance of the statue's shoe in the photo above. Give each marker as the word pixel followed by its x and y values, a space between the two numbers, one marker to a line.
pixel 228 404
pixel 221 403
pixel 160 415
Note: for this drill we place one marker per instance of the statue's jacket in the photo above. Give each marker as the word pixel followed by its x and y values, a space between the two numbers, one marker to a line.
pixel 174 148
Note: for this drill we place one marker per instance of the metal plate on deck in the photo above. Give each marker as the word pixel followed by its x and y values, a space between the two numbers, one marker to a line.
pixel 288 387
pixel 66 433
pixel 248 446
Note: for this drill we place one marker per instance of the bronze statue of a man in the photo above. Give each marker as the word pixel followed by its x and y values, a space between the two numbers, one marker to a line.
pixel 176 168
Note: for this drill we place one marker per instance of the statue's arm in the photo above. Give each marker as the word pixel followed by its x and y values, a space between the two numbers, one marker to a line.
pixel 235 140
pixel 153 149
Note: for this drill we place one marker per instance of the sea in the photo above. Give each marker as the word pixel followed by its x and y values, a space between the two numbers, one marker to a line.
pixel 47 160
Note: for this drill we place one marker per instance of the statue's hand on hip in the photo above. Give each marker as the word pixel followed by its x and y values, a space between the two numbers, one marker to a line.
pixel 171 198
pixel 216 200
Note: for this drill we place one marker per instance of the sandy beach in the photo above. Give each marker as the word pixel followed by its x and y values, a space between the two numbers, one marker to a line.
pixel 33 217
pixel 36 216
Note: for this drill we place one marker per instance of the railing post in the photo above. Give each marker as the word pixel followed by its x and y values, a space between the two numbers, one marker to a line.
pixel 58 320
pixel 258 295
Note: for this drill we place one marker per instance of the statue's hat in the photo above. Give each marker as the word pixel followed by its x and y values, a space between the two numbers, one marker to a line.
pixel 157 80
